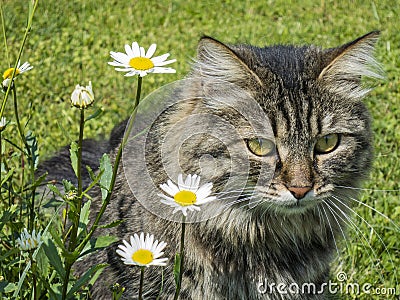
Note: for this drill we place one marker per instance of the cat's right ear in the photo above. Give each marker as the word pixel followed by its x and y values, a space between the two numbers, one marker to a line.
pixel 346 65
pixel 216 62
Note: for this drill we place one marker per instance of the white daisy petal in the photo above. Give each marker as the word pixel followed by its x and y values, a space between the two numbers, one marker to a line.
pixel 190 197
pixel 82 97
pixel 142 52
pixel 163 63
pixel 142 251
pixel 163 70
pixel 132 73
pixel 129 51
pixel 120 57
pixel 160 58
pixel 170 188
pixel 166 198
pixel 180 181
pixel 206 200
pixel 129 62
pixel 188 181
pixel 150 52
pixel 161 261
pixel 29 241
pixel 135 49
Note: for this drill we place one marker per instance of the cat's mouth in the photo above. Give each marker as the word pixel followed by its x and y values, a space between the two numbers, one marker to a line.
pixel 286 202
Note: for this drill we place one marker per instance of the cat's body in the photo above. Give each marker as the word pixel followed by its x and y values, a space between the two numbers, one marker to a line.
pixel 312 98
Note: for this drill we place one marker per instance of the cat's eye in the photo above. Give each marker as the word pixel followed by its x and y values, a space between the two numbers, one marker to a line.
pixel 327 143
pixel 260 146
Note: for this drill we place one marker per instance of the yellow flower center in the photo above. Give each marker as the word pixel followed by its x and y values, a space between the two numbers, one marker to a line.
pixel 8 73
pixel 142 256
pixel 185 198
pixel 141 63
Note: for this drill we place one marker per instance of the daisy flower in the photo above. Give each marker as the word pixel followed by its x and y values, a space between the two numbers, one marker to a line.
pixel 142 251
pixel 29 241
pixel 20 69
pixel 136 61
pixel 187 195
pixel 82 97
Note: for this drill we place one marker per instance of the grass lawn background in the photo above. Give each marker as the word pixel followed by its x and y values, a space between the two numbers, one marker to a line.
pixel 70 43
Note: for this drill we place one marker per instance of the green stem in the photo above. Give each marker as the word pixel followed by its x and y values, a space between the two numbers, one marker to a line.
pixel 141 283
pixel 115 168
pixel 19 126
pixel 181 261
pixel 31 207
pixel 34 280
pixel 27 30
pixel 75 225
pixel 3 27
pixel 138 91
pixel 1 161
pixel 30 159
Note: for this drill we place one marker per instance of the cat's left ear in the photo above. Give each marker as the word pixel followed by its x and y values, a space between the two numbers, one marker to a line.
pixel 216 62
pixel 344 66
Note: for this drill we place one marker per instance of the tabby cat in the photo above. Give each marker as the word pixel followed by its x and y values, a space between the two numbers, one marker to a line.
pixel 311 147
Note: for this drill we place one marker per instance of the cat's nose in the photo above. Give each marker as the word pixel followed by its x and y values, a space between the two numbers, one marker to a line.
pixel 299 192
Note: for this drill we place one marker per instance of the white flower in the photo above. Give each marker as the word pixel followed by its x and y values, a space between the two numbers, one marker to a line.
pixel 136 61
pixel 3 123
pixel 82 97
pixel 6 83
pixel 187 195
pixel 29 241
pixel 142 251
pixel 20 69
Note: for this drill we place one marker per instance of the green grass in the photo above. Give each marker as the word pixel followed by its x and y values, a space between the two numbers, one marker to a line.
pixel 70 43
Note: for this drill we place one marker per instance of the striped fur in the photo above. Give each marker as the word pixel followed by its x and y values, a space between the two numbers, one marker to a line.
pixel 306 93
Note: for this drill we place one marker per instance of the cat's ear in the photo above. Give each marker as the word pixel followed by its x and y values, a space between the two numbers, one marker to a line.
pixel 218 63
pixel 346 65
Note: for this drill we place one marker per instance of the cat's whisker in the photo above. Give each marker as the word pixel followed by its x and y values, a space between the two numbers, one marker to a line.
pixel 227 205
pixel 376 211
pixel 351 224
pixel 365 189
pixel 238 197
pixel 330 226
pixel 334 214
pixel 246 189
pixel 322 219
pixel 372 229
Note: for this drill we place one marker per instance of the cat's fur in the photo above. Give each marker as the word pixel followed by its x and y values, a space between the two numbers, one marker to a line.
pixel 306 92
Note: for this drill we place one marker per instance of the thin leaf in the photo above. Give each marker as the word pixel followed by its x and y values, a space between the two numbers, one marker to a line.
pixel 7 287
pixel 177 269
pixel 85 279
pixel 54 189
pixel 54 258
pixel 84 218
pixel 31 140
pixel 96 114
pixel 8 175
pixel 107 171
pixel 112 224
pixel 98 243
pixel 74 157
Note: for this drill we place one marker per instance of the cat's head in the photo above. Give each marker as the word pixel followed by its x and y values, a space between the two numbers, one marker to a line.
pixel 279 127
pixel 313 100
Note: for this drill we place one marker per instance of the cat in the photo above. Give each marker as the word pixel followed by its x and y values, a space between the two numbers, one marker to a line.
pixel 280 228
